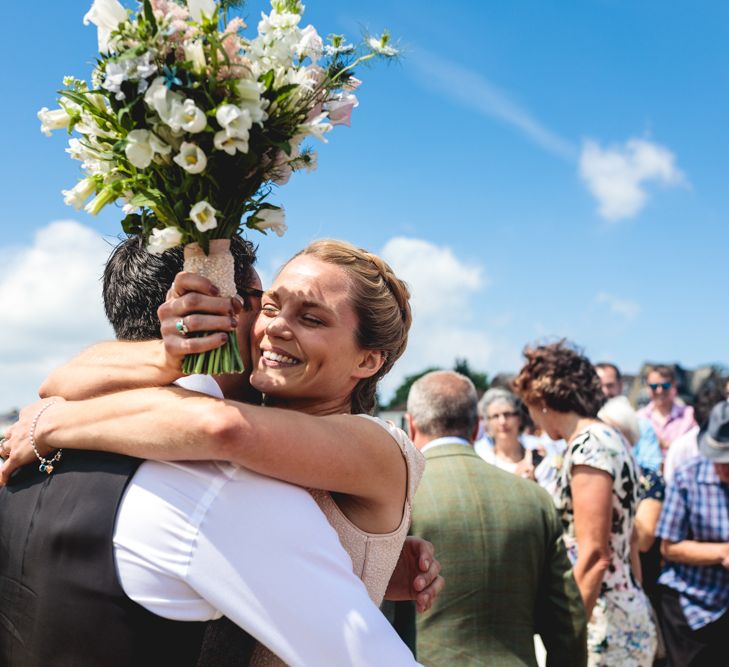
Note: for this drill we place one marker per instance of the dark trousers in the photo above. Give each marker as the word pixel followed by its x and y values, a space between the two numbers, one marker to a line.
pixel 705 647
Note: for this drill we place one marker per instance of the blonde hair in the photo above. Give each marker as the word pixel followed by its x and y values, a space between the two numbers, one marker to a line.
pixel 381 302
pixel 619 414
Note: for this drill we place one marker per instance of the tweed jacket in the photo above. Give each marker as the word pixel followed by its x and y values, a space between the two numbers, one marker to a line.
pixel 499 540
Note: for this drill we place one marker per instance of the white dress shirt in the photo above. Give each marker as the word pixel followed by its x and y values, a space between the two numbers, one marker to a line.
pixel 198 540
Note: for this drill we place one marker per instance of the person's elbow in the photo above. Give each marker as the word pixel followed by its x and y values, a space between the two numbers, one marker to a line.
pixel 668 549
pixel 221 427
pixel 597 558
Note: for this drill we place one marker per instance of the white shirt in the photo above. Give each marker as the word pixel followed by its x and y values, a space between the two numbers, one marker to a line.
pixel 196 541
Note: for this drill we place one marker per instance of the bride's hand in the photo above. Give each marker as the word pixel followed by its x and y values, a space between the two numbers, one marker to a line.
pixel 416 575
pixel 194 306
pixel 16 448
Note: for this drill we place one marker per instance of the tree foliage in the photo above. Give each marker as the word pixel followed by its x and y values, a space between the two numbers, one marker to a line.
pixel 480 380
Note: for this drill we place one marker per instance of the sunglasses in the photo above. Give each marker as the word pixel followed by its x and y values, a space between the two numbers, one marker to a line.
pixel 663 385
pixel 246 294
pixel 505 415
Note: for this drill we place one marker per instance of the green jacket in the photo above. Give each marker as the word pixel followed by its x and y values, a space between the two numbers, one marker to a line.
pixel 499 540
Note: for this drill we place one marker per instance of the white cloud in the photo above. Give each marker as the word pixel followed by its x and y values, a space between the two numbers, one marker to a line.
pixel 617 176
pixel 443 289
pixel 436 277
pixel 621 307
pixel 52 306
pixel 473 90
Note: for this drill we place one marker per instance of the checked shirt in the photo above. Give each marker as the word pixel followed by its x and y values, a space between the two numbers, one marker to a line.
pixel 697 508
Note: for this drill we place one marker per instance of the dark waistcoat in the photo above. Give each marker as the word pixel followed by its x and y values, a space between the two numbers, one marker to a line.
pixel 61 603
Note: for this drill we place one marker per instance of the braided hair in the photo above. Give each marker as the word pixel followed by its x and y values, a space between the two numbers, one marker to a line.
pixel 381 303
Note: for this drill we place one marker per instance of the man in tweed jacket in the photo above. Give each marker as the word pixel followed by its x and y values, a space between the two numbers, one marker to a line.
pixel 499 541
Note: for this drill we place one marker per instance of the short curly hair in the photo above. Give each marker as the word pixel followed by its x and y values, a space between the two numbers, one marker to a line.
pixel 560 377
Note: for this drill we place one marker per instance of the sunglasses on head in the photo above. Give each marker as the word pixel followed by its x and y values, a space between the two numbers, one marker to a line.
pixel 663 385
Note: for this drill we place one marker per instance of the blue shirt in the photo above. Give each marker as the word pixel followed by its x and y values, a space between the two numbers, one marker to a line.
pixel 647 450
pixel 697 508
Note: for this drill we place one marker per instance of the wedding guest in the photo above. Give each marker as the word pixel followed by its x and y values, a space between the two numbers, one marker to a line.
pixel 500 411
pixel 597 496
pixel 500 542
pixel 686 446
pixel 694 526
pixel 646 448
pixel 208 586
pixel 668 417
pixel 618 413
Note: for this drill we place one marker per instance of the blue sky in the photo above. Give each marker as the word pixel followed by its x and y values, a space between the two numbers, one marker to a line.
pixel 533 168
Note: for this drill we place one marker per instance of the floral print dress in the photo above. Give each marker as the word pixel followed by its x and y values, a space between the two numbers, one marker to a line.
pixel 620 631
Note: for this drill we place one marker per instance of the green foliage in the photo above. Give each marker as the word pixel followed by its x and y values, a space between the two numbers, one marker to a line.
pixel 401 393
pixel 480 380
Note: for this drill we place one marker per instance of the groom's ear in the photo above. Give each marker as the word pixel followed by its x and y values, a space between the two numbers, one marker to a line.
pixel 369 363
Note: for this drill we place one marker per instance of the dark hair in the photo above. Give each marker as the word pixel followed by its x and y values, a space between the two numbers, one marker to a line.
pixel 603 365
pixel 559 377
pixel 663 370
pixel 708 395
pixel 382 304
pixel 136 281
pixel 443 403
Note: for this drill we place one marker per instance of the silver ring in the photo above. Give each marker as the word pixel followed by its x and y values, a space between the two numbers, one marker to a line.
pixel 182 327
pixel 3 451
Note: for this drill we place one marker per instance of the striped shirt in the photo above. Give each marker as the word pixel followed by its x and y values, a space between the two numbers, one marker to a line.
pixel 697 508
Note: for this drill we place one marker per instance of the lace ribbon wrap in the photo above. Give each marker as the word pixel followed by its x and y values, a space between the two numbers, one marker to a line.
pixel 217 266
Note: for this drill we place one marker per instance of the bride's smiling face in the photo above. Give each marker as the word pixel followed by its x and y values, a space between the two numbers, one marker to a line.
pixel 305 354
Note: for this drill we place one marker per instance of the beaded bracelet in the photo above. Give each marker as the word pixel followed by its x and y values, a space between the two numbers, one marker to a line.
pixel 46 465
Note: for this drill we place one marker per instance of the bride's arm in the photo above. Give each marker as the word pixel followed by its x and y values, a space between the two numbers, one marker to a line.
pixel 109 367
pixel 120 365
pixel 340 453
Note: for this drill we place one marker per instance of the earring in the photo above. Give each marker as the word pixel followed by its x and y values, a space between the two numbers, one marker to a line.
pixel 544 411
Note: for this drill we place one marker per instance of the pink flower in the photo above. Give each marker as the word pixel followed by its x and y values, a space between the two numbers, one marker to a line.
pixel 340 109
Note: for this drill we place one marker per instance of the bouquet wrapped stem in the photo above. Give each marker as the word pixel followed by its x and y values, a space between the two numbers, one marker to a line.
pixel 217 266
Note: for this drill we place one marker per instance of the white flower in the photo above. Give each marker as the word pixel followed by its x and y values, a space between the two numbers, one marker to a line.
pixel 162 100
pixel 249 93
pixel 271 218
pixel 191 158
pixel 234 120
pixel 310 45
pixel 230 144
pixel 203 215
pixel 380 46
pixel 194 53
pixel 188 117
pixel 159 146
pixel 199 7
pixel 128 208
pixel 106 15
pixel 53 120
pixel 139 149
pixel 89 125
pixel 316 128
pixel 163 239
pixel 114 76
pixel 79 193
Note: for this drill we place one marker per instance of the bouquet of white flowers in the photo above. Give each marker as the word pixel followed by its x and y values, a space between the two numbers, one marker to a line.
pixel 187 124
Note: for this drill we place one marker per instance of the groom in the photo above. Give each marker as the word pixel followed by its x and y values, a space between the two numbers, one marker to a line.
pixel 264 555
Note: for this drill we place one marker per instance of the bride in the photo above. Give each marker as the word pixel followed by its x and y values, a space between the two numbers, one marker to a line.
pixel 333 323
